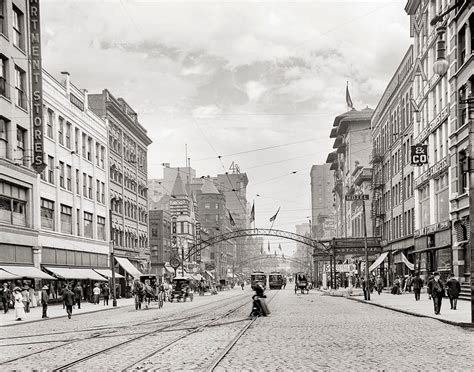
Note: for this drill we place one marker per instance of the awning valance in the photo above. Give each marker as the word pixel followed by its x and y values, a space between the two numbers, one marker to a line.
pixel 128 267
pixel 378 261
pixel 75 273
pixel 406 262
pixel 5 275
pixel 210 274
pixel 27 272
pixel 108 273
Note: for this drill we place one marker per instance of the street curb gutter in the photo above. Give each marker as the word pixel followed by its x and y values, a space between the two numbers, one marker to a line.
pixel 450 322
pixel 61 316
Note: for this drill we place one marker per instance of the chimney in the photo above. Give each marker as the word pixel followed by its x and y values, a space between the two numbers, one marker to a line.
pixel 67 82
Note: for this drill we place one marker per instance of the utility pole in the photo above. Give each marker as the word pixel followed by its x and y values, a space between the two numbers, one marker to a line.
pixel 367 289
pixel 112 260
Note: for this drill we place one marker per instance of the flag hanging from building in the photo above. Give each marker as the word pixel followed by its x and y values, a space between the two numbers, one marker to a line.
pixel 273 218
pixel 252 213
pixel 348 97
pixel 269 246
pixel 231 219
pixel 279 246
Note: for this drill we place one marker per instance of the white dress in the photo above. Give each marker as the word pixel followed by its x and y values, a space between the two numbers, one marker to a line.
pixel 19 307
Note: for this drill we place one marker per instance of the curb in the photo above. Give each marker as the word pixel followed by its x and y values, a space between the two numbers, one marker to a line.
pixel 61 316
pixel 450 322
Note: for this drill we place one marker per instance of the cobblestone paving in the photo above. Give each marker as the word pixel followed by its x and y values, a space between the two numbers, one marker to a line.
pixel 314 332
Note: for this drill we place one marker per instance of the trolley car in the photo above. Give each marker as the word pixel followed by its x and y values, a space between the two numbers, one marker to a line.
pixel 275 280
pixel 258 276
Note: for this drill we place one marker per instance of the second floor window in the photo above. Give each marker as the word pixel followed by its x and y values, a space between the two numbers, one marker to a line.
pixel 18 37
pixel 4 89
pixel 20 89
pixel 47 214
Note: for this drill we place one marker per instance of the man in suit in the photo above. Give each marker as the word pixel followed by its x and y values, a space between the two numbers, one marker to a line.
pixel 437 293
pixel 68 299
pixel 417 285
pixel 44 301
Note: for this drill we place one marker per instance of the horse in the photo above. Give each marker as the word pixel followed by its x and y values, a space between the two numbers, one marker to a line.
pixel 138 291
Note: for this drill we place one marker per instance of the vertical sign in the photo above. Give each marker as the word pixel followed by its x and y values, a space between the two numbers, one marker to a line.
pixel 198 242
pixel 174 239
pixel 38 163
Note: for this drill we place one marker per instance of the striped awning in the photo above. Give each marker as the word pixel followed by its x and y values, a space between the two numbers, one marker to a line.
pixel 27 272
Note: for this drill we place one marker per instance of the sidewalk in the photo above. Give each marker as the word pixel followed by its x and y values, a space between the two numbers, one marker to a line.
pixel 57 311
pixel 406 303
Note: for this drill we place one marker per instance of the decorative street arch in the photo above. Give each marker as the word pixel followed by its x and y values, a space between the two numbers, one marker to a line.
pixel 255 232
pixel 271 257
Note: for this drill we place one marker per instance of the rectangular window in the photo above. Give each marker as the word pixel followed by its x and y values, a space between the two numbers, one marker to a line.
pixel 20 87
pixel 97 153
pixel 49 124
pixel 78 190
pixel 4 126
pixel 97 190
pixel 102 194
pixel 78 222
pixel 90 188
pixel 68 135
pixel 425 206
pixel 76 140
pixel 89 148
pixel 88 225
pixel 463 172
pixel 61 131
pixel 84 140
pixel 3 21
pixel 102 157
pixel 61 174
pixel 18 27
pixel 47 214
pixel 20 145
pixel 4 87
pixel 100 228
pixel 51 169
pixel 69 177
pixel 207 205
pixel 66 219
pixel 84 184
pixel 12 204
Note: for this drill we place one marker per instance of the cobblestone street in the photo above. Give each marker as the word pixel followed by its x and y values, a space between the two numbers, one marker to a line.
pixel 304 332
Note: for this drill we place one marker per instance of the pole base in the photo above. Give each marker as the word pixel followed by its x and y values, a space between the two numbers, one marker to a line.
pixel 114 303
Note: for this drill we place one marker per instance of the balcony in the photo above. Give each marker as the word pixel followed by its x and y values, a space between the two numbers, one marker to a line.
pixel 363 174
pixel 379 181
pixel 376 157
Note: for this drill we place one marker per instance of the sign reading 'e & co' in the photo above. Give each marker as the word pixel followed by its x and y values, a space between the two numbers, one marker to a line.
pixel 38 163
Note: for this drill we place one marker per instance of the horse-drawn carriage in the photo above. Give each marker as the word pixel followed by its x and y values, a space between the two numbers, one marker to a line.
pixel 143 289
pixel 181 289
pixel 301 283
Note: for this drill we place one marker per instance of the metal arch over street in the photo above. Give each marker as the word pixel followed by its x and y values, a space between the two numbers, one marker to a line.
pixel 255 232
pixel 271 257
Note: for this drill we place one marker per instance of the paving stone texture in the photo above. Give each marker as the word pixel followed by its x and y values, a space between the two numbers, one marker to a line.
pixel 304 332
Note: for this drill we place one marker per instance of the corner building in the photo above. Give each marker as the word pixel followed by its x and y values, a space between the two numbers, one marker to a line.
pixel 127 142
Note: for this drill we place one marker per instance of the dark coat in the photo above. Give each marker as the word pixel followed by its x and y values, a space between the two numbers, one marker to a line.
pixel 417 282
pixel 453 287
pixel 78 293
pixel 44 296
pixel 106 291
pixel 68 297
pixel 437 288
pixel 430 286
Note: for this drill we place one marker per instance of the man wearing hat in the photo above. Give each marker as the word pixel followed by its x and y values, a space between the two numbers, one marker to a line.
pixel 6 297
pixel 437 292
pixel 44 300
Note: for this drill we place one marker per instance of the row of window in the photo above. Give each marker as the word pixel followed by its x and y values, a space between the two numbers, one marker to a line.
pixel 19 85
pixel 441 202
pixel 66 180
pixel 84 221
pixel 128 182
pixel 83 143
pixel 128 240
pixel 18 24
pixel 129 150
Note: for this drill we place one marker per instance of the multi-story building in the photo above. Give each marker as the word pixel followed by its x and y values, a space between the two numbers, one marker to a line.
pixel 393 200
pixel 461 79
pixel 128 142
pixel 352 133
pixel 18 180
pixel 322 201
pixel 73 201
pixel 431 108
pixel 160 241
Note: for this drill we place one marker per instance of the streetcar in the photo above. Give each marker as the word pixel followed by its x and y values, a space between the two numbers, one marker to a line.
pixel 181 289
pixel 258 276
pixel 275 280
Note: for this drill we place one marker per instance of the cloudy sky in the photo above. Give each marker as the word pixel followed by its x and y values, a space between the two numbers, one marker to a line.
pixel 227 78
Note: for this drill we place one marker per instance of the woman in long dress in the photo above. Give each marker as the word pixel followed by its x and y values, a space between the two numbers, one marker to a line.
pixel 19 307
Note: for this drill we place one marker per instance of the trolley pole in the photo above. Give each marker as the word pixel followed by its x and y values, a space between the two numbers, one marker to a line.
pixel 367 284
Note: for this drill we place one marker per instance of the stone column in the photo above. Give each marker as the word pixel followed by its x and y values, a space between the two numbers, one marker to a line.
pixel 468 39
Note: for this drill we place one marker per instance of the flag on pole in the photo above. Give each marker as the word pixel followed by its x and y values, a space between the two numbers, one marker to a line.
pixel 252 213
pixel 231 219
pixel 279 246
pixel 273 218
pixel 283 255
pixel 348 97
pixel 269 246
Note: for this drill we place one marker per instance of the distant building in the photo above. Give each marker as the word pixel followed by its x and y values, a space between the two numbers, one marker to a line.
pixel 322 201
pixel 160 241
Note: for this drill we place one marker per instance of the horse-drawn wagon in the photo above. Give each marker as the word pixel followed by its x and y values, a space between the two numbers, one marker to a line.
pixel 301 283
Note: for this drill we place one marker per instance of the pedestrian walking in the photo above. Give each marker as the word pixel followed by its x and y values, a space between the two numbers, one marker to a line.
pixel 454 288
pixel 96 292
pixel 32 296
pixel 417 285
pixel 429 287
pixel 6 297
pixel 19 305
pixel 365 288
pixel 78 294
pixel 106 293
pixel 437 293
pixel 25 293
pixel 379 284
pixel 68 300
pixel 44 301
pixel 242 284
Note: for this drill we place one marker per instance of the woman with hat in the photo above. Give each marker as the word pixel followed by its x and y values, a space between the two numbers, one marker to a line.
pixel 19 307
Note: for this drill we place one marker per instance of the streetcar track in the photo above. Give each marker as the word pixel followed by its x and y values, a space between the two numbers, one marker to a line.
pixel 153 321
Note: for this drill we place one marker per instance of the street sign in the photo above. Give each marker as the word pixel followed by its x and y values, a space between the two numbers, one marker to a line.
pixel 357 197
pixel 341 268
pixel 175 262
pixel 419 154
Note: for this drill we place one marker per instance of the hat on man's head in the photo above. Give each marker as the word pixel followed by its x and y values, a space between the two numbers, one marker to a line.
pixel 45 287
pixel 436 273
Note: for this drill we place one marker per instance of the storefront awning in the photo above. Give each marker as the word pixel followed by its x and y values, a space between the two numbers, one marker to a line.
pixel 108 273
pixel 378 261
pixel 27 272
pixel 406 262
pixel 210 274
pixel 5 275
pixel 75 273
pixel 128 267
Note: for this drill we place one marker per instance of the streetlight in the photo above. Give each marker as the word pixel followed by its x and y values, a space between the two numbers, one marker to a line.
pixel 441 65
